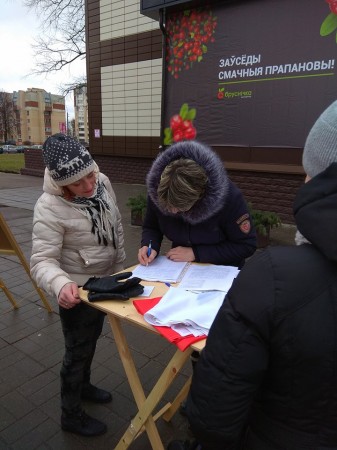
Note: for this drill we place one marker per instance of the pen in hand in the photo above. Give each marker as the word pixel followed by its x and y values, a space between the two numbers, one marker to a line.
pixel 149 249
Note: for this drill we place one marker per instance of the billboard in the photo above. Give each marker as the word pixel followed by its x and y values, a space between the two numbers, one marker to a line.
pixel 249 73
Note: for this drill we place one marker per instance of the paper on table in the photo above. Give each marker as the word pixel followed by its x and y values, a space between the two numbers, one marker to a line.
pixel 147 291
pixel 209 278
pixel 161 269
pixel 186 312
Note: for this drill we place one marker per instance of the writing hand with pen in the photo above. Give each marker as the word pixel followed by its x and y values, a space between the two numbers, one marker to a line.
pixel 146 254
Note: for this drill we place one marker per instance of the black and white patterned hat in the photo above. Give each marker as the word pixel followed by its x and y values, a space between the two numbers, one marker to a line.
pixel 66 159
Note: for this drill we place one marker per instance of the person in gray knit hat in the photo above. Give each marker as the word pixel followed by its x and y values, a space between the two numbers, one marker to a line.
pixel 266 379
pixel 320 148
pixel 77 234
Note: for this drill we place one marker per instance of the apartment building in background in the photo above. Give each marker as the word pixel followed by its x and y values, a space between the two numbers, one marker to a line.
pixel 81 131
pixel 39 115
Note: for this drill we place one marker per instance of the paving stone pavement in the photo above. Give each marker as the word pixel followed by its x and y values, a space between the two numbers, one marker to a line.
pixel 31 345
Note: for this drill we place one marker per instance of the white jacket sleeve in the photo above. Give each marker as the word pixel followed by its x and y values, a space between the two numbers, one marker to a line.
pixel 47 243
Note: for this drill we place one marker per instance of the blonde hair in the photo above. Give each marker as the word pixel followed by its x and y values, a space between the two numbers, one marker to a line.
pixel 182 183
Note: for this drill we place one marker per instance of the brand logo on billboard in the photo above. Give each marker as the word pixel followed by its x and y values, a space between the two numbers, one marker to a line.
pixel 222 94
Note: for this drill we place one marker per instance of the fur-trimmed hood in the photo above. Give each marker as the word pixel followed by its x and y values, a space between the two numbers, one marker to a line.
pixel 218 183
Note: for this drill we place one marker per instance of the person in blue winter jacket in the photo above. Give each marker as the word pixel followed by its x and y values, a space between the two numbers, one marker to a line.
pixel 267 377
pixel 193 203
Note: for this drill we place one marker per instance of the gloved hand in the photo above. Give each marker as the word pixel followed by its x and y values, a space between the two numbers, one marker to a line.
pixel 133 291
pixel 111 283
pixel 111 288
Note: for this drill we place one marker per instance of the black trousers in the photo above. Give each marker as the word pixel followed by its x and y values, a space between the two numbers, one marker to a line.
pixel 82 326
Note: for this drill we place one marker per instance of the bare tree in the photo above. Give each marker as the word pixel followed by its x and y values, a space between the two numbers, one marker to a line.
pixel 8 117
pixel 62 37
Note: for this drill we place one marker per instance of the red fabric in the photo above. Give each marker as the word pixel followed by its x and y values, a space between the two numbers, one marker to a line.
pixel 142 306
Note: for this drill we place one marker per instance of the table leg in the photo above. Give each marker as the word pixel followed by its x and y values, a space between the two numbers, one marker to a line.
pixel 145 405
pixel 8 294
pixel 167 416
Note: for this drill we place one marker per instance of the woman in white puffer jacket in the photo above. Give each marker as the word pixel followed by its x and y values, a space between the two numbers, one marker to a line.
pixel 77 234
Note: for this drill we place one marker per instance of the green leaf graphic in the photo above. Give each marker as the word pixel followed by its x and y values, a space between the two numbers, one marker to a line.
pixel 191 114
pixel 329 25
pixel 183 111
pixel 167 136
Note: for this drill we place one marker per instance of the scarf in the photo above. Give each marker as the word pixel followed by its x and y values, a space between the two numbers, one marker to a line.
pixel 99 210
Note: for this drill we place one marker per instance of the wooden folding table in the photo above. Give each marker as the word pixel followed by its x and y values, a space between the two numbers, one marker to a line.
pixel 117 312
pixel 9 246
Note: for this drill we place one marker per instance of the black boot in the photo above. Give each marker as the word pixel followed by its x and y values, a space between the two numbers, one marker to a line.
pixel 182 408
pixel 94 394
pixel 82 424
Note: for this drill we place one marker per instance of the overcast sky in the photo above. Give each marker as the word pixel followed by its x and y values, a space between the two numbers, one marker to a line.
pixel 18 27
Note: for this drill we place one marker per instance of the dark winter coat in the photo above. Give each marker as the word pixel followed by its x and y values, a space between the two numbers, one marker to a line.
pixel 267 378
pixel 217 227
